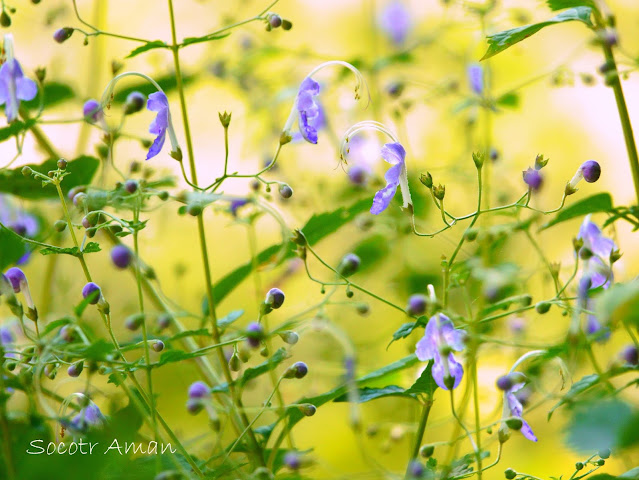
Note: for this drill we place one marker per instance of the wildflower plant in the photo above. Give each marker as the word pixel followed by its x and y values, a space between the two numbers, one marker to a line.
pixel 329 269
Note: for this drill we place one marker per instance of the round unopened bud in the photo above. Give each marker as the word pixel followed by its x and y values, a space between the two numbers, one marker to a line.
pixel 427 451
pixel 194 210
pixel 61 35
pixel 26 171
pixel 62 164
pixel 297 370
pixel 5 19
pixel 471 234
pixel 504 383
pixel 292 460
pixel 50 370
pixel 275 20
pixel 131 186
pixel 254 334
pixel 591 171
pixel 533 179
pixel 134 103
pixel 133 322
pixel 92 111
pixel 349 265
pixel 199 390
pixel 290 337
pixel 542 307
pixel 416 469
pixel 579 466
pixel 417 304
pixel 605 453
pixel 601 462
pixel 59 225
pixel 286 25
pixel 307 409
pixel 164 321
pixel 158 346
pixel 509 473
pixel 67 333
pixel 76 369
pixel 275 298
pixel 194 406
pixel 92 292
pixel 630 355
pixel 235 363
pixel 285 191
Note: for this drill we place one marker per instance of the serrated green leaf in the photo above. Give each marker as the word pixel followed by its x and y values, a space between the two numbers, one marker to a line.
pixel 81 171
pixel 206 38
pixel 318 227
pixel 425 383
pixel 499 42
pixel 146 47
pixel 90 247
pixel 600 202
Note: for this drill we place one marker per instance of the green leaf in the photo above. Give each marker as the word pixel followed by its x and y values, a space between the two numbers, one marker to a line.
pixel 167 82
pixel 371 251
pixel 81 172
pixel 317 228
pixel 55 325
pixel 54 93
pixel 11 248
pixel 98 351
pixel 146 47
pixel 200 332
pixel 562 4
pixel 597 425
pixel 224 322
pixel 510 99
pixel 192 40
pixel 251 373
pixel 629 433
pixel 620 303
pixel 90 247
pixel 407 328
pixel 600 202
pixel 630 474
pixel 367 394
pixel 499 42
pixel 577 388
pixel 14 129
pixel 172 356
pixel 425 383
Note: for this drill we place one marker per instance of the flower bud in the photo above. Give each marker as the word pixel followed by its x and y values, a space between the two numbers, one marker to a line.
pixel 62 164
pixel 630 355
pixel 274 298
pixel 417 304
pixel 292 460
pixel 540 162
pixel 134 103
pixel 61 35
pixel 225 119
pixel 254 334
pixel 426 179
pixel 579 466
pixel 289 337
pixel 286 25
pixel 307 409
pixel 510 473
pixel 478 159
pixel 5 19
pixel 92 111
pixel 235 363
pixel 164 321
pixel 605 453
pixel 121 256
pixel 194 406
pixel 591 171
pixel 157 346
pixel 439 191
pixel 504 383
pixel 515 423
pixel 26 171
pixel 426 451
pixel 92 292
pixel 76 369
pixel 542 307
pixel 131 186
pixel 285 191
pixel 199 390
pixel 133 322
pixel 533 179
pixel 416 469
pixel 274 20
pixel 297 370
pixel 349 265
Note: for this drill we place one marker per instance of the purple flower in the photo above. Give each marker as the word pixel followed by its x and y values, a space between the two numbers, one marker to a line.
pixel 533 179
pixel 358 175
pixel 254 334
pixel 476 78
pixel 394 154
pixel 591 171
pixel 14 86
pixel 395 20
pixel 515 407
pixel 598 265
pixel 308 109
pixel 630 355
pixel 236 205
pixel 93 292
pixel 593 326
pixel 199 390
pixel 92 111
pixel 158 102
pixel 19 282
pixel 89 416
pixel 441 338
pixel 121 256
pixel 417 304
pixel 292 460
pixel 275 298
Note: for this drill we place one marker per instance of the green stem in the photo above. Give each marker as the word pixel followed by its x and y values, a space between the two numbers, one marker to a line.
pixel 420 431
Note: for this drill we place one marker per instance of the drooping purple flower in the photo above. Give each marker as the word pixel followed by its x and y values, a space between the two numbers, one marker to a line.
pixel 20 284
pixel 14 86
pixel 89 416
pixel 598 265
pixel 158 102
pixel 199 390
pixel 533 179
pixel 440 339
pixel 396 21
pixel 93 292
pixel 308 109
pixel 92 111
pixel 476 78
pixel 515 407
pixel 6 341
pixel 417 304
pixel 394 154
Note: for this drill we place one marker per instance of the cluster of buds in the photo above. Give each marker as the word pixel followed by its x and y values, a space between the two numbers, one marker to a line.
pixel 273 20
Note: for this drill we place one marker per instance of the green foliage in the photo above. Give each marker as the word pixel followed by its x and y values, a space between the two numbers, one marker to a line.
pixel 598 425
pixel 146 47
pixel 167 82
pixel 425 384
pixel 367 394
pixel 600 202
pixel 14 129
pixel 499 42
pixel 620 304
pixel 11 248
pixel 80 172
pixel 206 38
pixel 53 94
pixel 90 247
pixel 562 4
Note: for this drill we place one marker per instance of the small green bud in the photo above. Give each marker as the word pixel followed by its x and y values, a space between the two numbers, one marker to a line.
pixel 225 119
pixel 5 19
pixel 60 225
pixel 427 451
pixel 298 238
pixel 542 307
pixel 285 138
pixel 515 423
pixel 41 74
pixel 439 191
pixel 426 179
pixel 605 453
pixel 471 234
pixel 579 466
pixel 235 363
pixel 541 162
pixel 478 158
pixel 286 24
pixel 27 171
pixel 509 473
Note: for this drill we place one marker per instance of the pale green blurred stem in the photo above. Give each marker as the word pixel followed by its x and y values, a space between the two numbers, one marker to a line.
pixel 259 459
pixel 6 437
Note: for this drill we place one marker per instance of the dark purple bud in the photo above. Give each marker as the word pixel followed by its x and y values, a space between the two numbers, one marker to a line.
pixel 286 191
pixel 61 35
pixel 17 278
pixel 292 460
pixel 135 102
pixel 416 469
pixel 395 89
pixel 591 171
pixel 504 383
pixel 76 369
pixel 274 298
pixel 92 111
pixel 254 334
pixel 92 292
pixel 86 223
pixel 297 370
pixel 417 304
pixel 533 179
pixel 494 154
pixel 358 175
pixel 275 20
pixel 131 186
pixel 164 321
pixel 349 265
pixel 19 227
pixel 133 322
pixel 199 390
pixel 121 256
pixel 67 333
pixel 158 346
pixel 630 355
pixel 194 406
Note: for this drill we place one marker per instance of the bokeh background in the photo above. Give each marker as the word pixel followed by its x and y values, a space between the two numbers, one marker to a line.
pixel 564 111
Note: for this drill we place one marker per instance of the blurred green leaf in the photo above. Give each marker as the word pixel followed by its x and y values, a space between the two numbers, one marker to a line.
pixel 205 38
pixel 597 425
pixel 146 47
pixel 98 350
pixel 562 4
pixel 510 99
pixel 55 325
pixel 54 93
pixel 499 42
pixel 81 171
pixel 620 303
pixel 200 332
pixel 367 394
pixel 90 247
pixel 577 388
pixel 224 322
pixel 425 383
pixel 14 129
pixel 318 227
pixel 630 474
pixel 11 248
pixel 629 434
pixel 175 355
pixel 600 202
pixel 371 251
pixel 407 328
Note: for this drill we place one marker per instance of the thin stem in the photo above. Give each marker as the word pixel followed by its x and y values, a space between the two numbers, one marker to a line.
pixel 420 432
